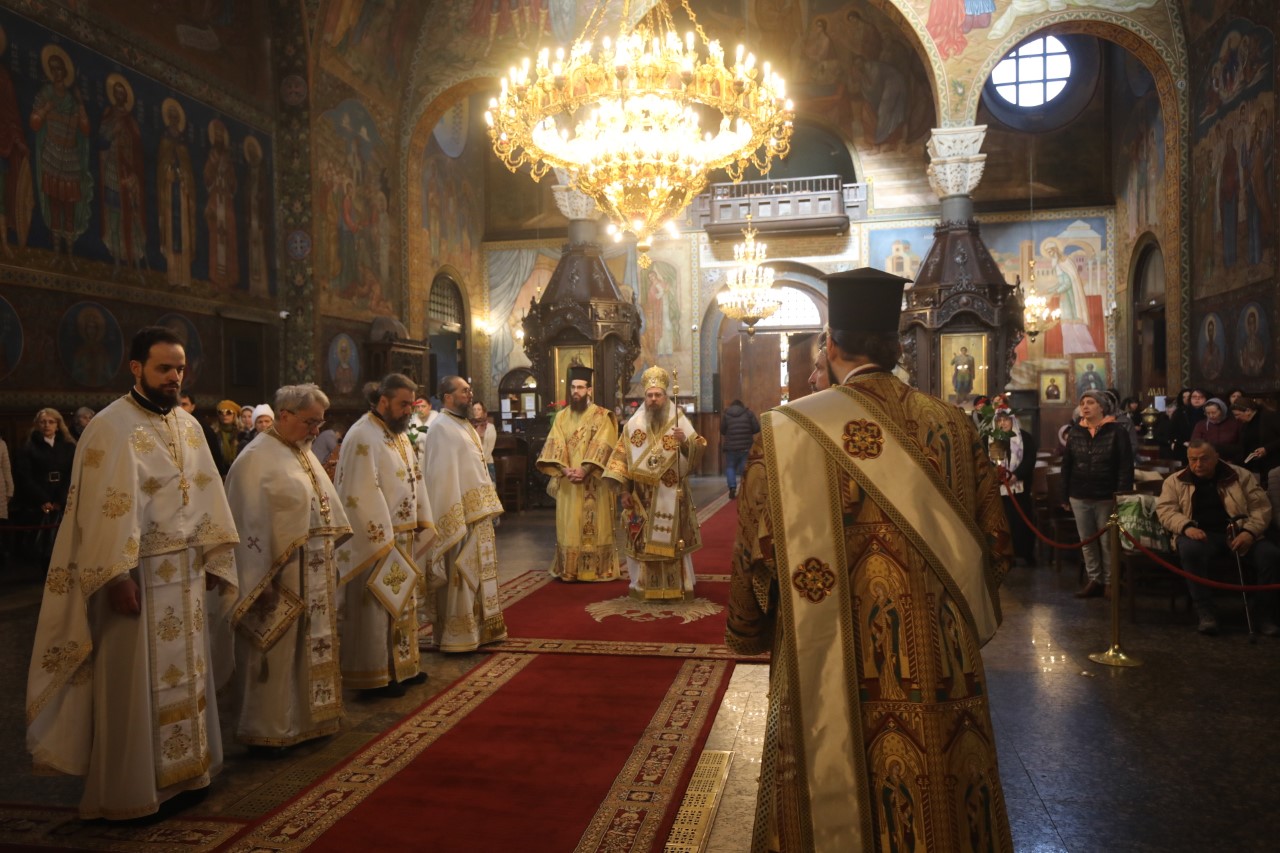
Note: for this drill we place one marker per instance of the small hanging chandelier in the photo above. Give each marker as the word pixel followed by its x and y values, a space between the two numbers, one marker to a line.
pixel 749 297
pixel 626 119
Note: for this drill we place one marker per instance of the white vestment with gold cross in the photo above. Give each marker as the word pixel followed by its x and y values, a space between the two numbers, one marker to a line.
pixel 380 484
pixel 466 612
pixel 290 521
pixel 128 701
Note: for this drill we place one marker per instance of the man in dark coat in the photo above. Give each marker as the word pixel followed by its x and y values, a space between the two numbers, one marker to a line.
pixel 738 426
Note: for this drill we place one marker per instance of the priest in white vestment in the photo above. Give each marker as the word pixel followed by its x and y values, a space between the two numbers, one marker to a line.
pixel 656 451
pixel 291 523
pixel 380 483
pixel 467 613
pixel 121 684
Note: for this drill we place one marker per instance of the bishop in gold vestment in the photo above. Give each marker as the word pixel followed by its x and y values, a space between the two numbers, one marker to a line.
pixel 872 578
pixel 575 456
pixel 652 461
pixel 122 679
pixel 291 523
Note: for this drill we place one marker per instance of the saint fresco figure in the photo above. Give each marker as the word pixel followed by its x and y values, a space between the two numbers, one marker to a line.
pixel 16 201
pixel 963 367
pixel 255 219
pixel 176 195
pixel 120 160
pixel 61 125
pixel 220 208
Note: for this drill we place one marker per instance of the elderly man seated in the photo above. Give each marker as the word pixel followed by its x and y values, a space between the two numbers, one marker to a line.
pixel 1215 508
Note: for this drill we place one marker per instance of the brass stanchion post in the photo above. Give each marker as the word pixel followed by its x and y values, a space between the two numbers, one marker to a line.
pixel 1115 656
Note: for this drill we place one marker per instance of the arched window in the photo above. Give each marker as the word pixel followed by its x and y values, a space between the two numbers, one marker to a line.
pixel 444 304
pixel 798 310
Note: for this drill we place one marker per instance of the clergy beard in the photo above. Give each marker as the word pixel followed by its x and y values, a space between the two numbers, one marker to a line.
pixel 659 416
pixel 397 425
pixel 166 397
pixel 579 404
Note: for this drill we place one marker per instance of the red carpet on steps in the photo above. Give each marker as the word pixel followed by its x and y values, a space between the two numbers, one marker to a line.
pixel 554 753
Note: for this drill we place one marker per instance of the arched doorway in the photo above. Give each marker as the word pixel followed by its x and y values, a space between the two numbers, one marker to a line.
pixel 446 330
pixel 1150 342
pixel 774 364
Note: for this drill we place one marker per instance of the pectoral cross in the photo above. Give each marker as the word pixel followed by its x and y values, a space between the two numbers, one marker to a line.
pixel 186 489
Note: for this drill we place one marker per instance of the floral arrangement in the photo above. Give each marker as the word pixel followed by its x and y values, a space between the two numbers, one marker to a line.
pixel 985 418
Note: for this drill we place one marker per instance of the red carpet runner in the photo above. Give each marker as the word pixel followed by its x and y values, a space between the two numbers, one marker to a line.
pixel 546 616
pixel 529 753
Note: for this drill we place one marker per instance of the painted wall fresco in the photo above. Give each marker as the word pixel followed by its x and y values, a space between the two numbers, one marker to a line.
pixel 113 175
pixel 1138 152
pixel 1233 161
pixel 222 38
pixel 357 229
pixel 1074 266
pixel 367 44
pixel 1235 341
pixel 451 190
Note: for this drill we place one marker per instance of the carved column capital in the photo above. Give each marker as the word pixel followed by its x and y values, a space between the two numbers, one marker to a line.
pixel 573 203
pixel 957 164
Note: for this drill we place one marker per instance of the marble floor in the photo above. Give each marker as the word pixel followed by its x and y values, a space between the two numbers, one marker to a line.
pixel 1169 756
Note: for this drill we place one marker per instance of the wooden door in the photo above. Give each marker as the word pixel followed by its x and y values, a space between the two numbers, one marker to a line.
pixel 800 359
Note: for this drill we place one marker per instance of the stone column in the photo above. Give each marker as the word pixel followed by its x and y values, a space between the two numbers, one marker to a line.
pixel 956 168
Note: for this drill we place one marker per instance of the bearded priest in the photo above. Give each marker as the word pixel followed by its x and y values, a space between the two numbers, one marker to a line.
pixel 575 455
pixel 290 522
pixel 655 454
pixel 380 484
pixel 121 685
pixel 466 612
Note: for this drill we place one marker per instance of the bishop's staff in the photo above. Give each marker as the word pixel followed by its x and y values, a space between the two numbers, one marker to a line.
pixel 675 401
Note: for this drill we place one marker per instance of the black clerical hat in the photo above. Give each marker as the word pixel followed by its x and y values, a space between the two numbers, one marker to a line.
pixel 578 371
pixel 864 300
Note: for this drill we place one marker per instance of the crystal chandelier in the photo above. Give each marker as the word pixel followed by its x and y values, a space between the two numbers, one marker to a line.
pixel 749 297
pixel 1036 315
pixel 626 119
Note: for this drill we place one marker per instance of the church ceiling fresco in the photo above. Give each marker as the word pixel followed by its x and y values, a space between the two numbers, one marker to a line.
pixel 222 38
pixel 368 45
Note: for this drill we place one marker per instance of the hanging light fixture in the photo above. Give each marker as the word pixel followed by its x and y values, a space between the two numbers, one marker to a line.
pixel 749 297
pixel 1036 314
pixel 626 118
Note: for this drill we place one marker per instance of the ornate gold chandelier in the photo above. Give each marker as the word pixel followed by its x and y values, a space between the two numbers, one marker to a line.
pixel 627 119
pixel 1036 315
pixel 750 296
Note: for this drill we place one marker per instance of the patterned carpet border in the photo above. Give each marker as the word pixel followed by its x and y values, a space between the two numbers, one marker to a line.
pixel 648 784
pixel 303 821
pixel 28 827
pixel 712 508
pixel 607 647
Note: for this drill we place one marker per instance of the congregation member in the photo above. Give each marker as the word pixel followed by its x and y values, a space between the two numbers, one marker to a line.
pixel 1097 462
pixel 380 483
pixel 1221 430
pixel 465 610
pixel 227 431
pixel 1259 438
pixel 80 420
pixel 1215 509
pixel 247 431
pixel 263 418
pixel 6 493
pixel 187 403
pixel 873 588
pixel 420 422
pixel 121 688
pixel 41 476
pixel 488 436
pixel 656 452
pixel 1189 412
pixel 1018 460
pixel 291 524
pixel 574 457
pixel 738 428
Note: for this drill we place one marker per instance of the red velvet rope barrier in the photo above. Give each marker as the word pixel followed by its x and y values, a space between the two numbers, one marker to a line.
pixel 1005 479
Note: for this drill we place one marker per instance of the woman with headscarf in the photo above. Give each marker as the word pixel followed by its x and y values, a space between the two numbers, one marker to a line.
pixel 1013 451
pixel 1097 462
pixel 1221 430
pixel 1259 437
